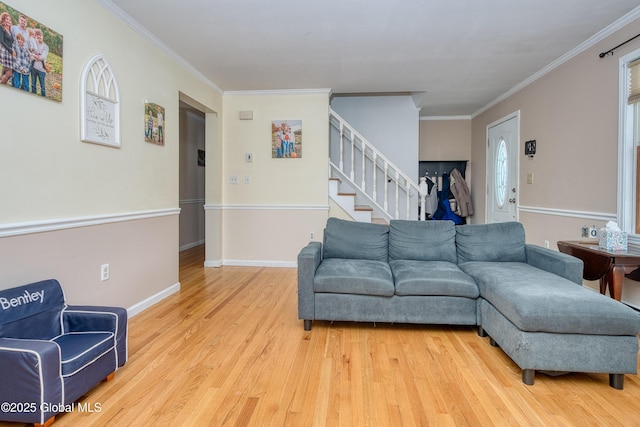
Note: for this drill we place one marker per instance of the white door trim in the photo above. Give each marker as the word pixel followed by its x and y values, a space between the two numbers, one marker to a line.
pixel 488 179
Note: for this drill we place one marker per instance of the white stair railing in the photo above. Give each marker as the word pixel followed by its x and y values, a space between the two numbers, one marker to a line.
pixel 373 170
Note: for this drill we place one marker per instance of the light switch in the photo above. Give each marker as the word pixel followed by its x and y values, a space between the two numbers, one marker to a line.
pixel 530 178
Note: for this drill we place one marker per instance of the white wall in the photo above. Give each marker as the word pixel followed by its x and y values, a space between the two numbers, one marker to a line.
pixel 69 206
pixel 391 123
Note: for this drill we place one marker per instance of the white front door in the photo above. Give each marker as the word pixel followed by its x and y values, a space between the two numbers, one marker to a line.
pixel 502 170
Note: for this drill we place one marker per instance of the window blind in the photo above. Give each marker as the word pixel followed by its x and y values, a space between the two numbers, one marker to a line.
pixel 634 81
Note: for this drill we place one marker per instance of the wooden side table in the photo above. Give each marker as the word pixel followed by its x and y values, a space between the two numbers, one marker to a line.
pixel 609 267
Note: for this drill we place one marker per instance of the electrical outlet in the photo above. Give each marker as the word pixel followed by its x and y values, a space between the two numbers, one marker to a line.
pixel 546 244
pixel 104 272
pixel 234 179
pixel 311 235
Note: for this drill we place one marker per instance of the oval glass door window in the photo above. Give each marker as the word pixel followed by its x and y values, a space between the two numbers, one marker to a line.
pixel 502 170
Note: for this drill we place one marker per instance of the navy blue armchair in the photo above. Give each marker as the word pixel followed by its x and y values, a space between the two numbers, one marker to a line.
pixel 51 353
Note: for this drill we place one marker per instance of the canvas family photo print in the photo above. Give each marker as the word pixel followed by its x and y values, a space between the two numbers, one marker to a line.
pixel 286 139
pixel 30 55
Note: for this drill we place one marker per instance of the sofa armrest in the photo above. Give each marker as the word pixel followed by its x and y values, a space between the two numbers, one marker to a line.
pixel 31 380
pixel 554 262
pixel 309 259
pixel 79 318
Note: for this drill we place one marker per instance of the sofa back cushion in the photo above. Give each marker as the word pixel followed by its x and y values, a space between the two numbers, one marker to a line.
pixel 502 241
pixel 356 240
pixel 422 240
pixel 32 311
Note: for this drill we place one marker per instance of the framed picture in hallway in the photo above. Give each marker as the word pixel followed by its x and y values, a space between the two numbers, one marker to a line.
pixel 286 139
pixel 30 55
pixel 154 123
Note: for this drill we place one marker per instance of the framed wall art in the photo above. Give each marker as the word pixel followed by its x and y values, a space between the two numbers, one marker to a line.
pixel 286 139
pixel 154 123
pixel 99 104
pixel 30 55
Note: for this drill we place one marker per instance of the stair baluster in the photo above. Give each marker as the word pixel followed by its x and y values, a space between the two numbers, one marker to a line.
pixel 369 160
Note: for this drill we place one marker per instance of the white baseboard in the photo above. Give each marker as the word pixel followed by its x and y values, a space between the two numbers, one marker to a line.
pixel 153 299
pixel 191 245
pixel 250 263
pixel 254 263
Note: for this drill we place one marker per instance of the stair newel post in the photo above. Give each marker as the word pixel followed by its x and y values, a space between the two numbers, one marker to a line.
pixel 421 195
pixel 397 215
pixel 374 191
pixel 386 186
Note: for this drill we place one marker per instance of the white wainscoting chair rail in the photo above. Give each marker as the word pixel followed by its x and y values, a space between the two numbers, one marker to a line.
pixel 596 216
pixel 30 227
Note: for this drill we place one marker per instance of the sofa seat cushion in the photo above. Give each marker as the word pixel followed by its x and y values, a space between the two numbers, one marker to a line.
pixel 354 276
pixel 538 301
pixel 80 349
pixel 440 278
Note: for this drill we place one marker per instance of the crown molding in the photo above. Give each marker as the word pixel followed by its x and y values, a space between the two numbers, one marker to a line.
pixel 278 92
pixel 590 42
pixel 146 34
pixel 434 118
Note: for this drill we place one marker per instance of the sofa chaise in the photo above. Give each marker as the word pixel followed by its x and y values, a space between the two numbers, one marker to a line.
pixel 528 299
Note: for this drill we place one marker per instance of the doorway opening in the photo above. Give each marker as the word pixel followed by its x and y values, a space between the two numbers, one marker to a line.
pixel 192 177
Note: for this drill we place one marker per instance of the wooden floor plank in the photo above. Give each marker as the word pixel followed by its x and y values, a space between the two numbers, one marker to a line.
pixel 228 349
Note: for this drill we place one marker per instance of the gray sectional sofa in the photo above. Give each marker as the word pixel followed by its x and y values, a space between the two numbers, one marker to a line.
pixel 528 299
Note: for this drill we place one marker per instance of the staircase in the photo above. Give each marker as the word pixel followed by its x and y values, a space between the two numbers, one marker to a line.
pixel 347 201
pixel 378 188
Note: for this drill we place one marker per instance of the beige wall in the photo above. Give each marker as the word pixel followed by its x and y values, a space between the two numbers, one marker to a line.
pixel 141 253
pixel 572 113
pixel 49 177
pixel 445 139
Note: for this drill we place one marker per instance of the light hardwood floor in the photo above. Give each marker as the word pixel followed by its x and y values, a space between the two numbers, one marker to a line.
pixel 229 350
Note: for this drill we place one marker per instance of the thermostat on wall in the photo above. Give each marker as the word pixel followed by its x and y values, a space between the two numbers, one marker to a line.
pixel 245 115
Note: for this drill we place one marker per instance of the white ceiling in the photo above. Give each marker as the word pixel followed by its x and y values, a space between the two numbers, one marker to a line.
pixel 455 56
